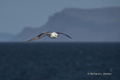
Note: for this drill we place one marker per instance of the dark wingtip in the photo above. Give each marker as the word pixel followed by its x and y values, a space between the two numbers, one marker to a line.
pixel 70 37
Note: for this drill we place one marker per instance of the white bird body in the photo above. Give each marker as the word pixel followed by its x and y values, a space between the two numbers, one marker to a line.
pixel 52 35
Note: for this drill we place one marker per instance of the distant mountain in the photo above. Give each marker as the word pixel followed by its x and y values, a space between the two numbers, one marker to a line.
pixel 83 25
pixel 4 37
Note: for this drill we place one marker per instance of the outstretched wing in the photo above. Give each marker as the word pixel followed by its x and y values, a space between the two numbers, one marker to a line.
pixel 35 38
pixel 64 34
pixel 41 35
pixel 38 37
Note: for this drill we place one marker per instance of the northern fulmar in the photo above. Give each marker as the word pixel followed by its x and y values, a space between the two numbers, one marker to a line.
pixel 52 35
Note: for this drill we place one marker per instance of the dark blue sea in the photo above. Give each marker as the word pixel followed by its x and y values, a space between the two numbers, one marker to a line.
pixel 59 61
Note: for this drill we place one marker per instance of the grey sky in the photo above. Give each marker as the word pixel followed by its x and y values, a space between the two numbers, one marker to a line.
pixel 17 14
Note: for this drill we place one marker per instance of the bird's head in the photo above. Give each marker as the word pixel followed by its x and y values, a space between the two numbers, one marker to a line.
pixel 54 35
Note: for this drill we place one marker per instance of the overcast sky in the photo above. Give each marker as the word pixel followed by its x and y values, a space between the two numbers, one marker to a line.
pixel 17 14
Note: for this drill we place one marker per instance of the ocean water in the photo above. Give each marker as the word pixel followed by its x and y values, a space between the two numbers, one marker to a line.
pixel 59 61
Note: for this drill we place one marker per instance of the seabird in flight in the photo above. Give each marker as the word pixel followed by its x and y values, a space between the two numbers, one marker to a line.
pixel 52 35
